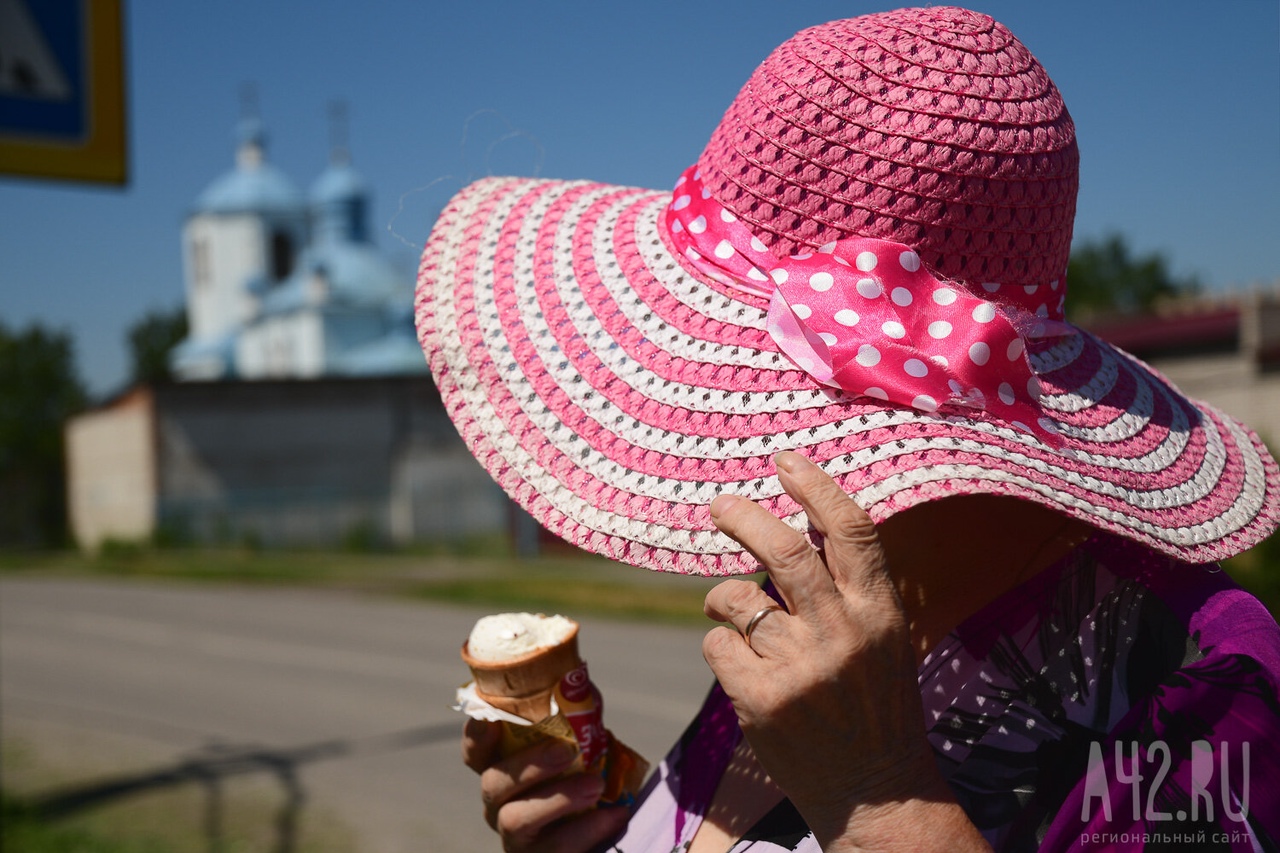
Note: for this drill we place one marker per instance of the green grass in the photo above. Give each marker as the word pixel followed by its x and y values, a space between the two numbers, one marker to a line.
pixel 571 582
pixel 23 832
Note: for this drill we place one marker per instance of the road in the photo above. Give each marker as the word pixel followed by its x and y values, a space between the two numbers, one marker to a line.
pixel 140 676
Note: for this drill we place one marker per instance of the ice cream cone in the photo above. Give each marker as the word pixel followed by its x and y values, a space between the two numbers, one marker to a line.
pixel 524 685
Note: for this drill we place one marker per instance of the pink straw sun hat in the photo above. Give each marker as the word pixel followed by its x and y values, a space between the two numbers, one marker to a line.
pixel 866 265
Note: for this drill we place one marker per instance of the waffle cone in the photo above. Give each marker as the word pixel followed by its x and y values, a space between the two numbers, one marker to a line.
pixel 524 685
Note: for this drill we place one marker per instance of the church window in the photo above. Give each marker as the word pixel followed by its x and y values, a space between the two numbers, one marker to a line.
pixel 200 264
pixel 281 255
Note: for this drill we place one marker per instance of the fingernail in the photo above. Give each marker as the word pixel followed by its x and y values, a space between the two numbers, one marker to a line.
pixel 721 505
pixel 790 461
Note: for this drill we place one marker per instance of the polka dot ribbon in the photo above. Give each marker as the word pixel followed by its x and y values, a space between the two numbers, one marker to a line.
pixel 865 316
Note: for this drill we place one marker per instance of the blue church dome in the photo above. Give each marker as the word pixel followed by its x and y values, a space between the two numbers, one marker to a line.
pixel 254 185
pixel 340 203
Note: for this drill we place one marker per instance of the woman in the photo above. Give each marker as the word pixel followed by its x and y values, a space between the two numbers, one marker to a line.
pixel 865 268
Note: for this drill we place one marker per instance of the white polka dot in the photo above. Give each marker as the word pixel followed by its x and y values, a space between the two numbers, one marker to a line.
pixel 681 202
pixel 697 226
pixel 1005 392
pixel 821 281
pixel 877 393
pixel 757 245
pixel 1048 425
pixel 681 179
pixel 866 261
pixel 1030 288
pixel 1053 285
pixel 677 226
pixel 803 256
pixel 1034 391
pixel 944 296
pixel 802 311
pixel 894 329
pixel 868 356
pixel 869 288
pixel 755 275
pixel 839 260
pixel 1042 310
pixel 958 390
pixel 724 249
pixel 847 317
pixel 939 329
pixel 984 313
pixel 910 261
pixel 692 254
pixel 697 174
pixel 915 367
pixel 706 192
pixel 828 338
pixel 1020 425
pixel 1014 351
pixel 979 353
pixel 925 403
pixel 779 275
pixel 940 360
pixel 901 296
pixel 727 216
pixel 827 248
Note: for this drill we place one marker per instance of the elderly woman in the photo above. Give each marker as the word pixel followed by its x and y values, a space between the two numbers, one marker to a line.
pixel 836 351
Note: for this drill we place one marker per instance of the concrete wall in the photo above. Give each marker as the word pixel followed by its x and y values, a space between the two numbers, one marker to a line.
pixel 282 463
pixel 111 472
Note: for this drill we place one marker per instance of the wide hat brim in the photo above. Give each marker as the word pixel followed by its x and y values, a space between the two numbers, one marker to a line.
pixel 613 392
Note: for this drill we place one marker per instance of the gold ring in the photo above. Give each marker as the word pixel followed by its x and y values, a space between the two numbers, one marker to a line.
pixel 755 620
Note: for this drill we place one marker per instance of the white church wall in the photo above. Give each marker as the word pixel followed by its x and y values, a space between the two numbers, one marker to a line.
pixel 223 253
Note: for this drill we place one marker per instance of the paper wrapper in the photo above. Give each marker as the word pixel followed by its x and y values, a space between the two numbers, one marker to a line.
pixel 549 694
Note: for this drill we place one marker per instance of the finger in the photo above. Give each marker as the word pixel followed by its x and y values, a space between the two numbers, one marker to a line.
pixel 516 774
pixel 796 569
pixel 480 740
pixel 850 543
pixel 735 602
pixel 521 821
pixel 583 832
pixel 730 659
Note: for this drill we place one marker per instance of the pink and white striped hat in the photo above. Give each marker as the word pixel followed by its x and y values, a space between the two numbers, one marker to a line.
pixel 866 265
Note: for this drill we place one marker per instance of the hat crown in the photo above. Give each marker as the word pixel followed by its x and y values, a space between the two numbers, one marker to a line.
pixel 932 127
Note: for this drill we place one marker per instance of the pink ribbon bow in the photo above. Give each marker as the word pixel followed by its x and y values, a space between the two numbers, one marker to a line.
pixel 865 316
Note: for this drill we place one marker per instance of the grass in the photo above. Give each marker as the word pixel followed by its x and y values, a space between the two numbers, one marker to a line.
pixel 174 819
pixel 570 582
pixel 22 832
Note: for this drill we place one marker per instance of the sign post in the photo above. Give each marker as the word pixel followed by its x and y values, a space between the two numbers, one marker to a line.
pixel 62 90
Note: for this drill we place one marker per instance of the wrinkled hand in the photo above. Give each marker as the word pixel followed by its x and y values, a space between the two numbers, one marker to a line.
pixel 826 690
pixel 529 804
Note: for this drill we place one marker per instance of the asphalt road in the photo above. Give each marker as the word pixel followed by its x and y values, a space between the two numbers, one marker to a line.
pixel 137 677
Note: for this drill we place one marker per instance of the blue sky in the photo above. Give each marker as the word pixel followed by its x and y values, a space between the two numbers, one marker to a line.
pixel 1176 102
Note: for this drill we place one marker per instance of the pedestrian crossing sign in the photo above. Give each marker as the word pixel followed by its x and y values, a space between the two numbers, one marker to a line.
pixel 62 90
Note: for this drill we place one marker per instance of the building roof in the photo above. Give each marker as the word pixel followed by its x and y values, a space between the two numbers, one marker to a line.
pixel 254 185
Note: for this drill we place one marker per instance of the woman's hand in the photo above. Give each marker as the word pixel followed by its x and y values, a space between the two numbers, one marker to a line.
pixel 826 691
pixel 529 803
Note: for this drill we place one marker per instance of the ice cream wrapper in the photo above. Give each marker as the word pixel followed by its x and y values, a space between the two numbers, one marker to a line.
pixel 576 717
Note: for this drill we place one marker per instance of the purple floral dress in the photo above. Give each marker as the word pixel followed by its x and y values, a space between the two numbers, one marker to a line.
pixel 1120 700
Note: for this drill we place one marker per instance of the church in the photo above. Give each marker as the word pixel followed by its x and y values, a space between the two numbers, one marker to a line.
pixel 282 284
pixel 303 413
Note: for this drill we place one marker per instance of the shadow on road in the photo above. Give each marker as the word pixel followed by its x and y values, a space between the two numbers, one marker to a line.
pixel 211 767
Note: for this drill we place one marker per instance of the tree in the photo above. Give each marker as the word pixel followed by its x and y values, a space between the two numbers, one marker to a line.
pixel 1103 278
pixel 39 389
pixel 150 341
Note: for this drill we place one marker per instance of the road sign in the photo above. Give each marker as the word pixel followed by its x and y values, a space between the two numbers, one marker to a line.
pixel 62 94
